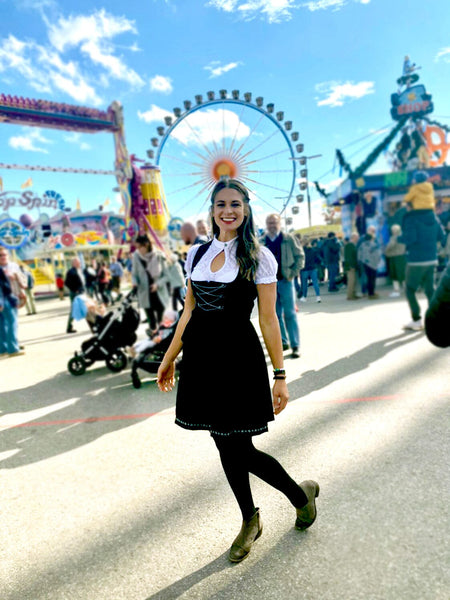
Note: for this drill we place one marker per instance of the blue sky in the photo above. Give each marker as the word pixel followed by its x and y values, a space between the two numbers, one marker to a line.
pixel 330 65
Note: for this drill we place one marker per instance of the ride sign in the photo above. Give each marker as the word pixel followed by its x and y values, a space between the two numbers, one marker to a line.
pixel 174 228
pixel 13 234
pixel 412 102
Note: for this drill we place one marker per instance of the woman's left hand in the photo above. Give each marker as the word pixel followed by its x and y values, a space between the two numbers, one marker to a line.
pixel 153 287
pixel 280 395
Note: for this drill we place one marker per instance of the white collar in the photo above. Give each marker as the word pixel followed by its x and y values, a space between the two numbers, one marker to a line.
pixel 222 245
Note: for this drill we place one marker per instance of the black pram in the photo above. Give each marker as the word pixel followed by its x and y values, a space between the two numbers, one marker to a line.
pixel 149 359
pixel 113 332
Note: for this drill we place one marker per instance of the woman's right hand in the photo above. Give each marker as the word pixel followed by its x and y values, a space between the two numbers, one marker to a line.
pixel 166 376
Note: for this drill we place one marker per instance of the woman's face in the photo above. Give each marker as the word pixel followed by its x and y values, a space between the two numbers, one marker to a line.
pixel 142 249
pixel 229 210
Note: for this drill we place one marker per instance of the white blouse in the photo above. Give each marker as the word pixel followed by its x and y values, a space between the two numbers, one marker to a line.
pixel 265 273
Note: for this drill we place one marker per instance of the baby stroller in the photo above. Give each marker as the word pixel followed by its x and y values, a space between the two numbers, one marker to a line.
pixel 149 359
pixel 113 332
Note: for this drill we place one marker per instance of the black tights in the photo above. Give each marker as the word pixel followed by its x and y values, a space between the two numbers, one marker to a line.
pixel 239 457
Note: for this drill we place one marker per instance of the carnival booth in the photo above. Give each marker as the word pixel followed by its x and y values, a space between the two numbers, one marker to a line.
pixel 415 143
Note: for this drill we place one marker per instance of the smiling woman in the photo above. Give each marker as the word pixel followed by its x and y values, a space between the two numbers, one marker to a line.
pixel 224 386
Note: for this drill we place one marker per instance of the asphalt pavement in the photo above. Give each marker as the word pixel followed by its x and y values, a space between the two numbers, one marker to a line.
pixel 104 498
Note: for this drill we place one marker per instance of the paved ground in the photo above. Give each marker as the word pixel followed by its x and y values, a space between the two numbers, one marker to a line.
pixel 103 498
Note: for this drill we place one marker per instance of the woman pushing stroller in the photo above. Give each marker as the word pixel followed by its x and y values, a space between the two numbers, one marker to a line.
pixel 224 386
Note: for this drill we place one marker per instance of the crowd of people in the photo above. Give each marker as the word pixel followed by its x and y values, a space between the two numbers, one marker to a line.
pixel 414 249
pixel 202 302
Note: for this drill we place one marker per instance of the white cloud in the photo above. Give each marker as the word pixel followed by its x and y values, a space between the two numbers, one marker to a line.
pixel 274 11
pixel 314 5
pixel 216 69
pixel 44 70
pixel 93 35
pixel 28 140
pixel 154 114
pixel 210 126
pixel 444 54
pixel 204 126
pixel 162 84
pixel 337 93
pixel 75 138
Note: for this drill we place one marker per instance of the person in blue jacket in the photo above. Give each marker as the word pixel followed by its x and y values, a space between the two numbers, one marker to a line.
pixel 421 233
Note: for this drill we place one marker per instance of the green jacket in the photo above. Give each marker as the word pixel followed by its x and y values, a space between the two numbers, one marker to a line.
pixel 350 256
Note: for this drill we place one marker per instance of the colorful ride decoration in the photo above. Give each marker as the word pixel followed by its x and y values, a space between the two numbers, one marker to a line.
pixel 415 143
pixel 13 233
pixel 437 145
pixel 153 194
pixel 68 117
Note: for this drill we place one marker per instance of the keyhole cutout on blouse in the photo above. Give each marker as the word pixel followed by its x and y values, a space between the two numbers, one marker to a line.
pixel 217 262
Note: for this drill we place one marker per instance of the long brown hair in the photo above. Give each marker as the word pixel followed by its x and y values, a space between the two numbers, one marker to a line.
pixel 247 245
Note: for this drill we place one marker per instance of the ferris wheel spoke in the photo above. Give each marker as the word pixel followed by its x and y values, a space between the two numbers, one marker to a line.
pixel 198 174
pixel 264 171
pixel 261 144
pixel 188 162
pixel 230 149
pixel 204 188
pixel 249 135
pixel 251 162
pixel 211 131
pixel 223 128
pixel 265 201
pixel 186 187
pixel 267 185
pixel 198 138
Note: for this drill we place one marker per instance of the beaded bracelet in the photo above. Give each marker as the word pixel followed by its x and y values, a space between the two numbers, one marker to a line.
pixel 279 371
pixel 280 376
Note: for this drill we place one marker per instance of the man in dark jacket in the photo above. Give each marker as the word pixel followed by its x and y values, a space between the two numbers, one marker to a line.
pixel 74 282
pixel 421 233
pixel 290 258
pixel 331 254
pixel 437 317
pixel 351 266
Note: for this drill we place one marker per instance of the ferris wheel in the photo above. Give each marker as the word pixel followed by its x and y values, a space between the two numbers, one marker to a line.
pixel 229 136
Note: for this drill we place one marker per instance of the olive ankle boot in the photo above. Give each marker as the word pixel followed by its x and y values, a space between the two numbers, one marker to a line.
pixel 306 515
pixel 250 531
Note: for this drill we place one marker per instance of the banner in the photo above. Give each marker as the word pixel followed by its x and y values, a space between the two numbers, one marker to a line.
pixel 26 184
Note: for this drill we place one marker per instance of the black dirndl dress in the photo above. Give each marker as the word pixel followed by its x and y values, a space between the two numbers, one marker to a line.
pixel 224 385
